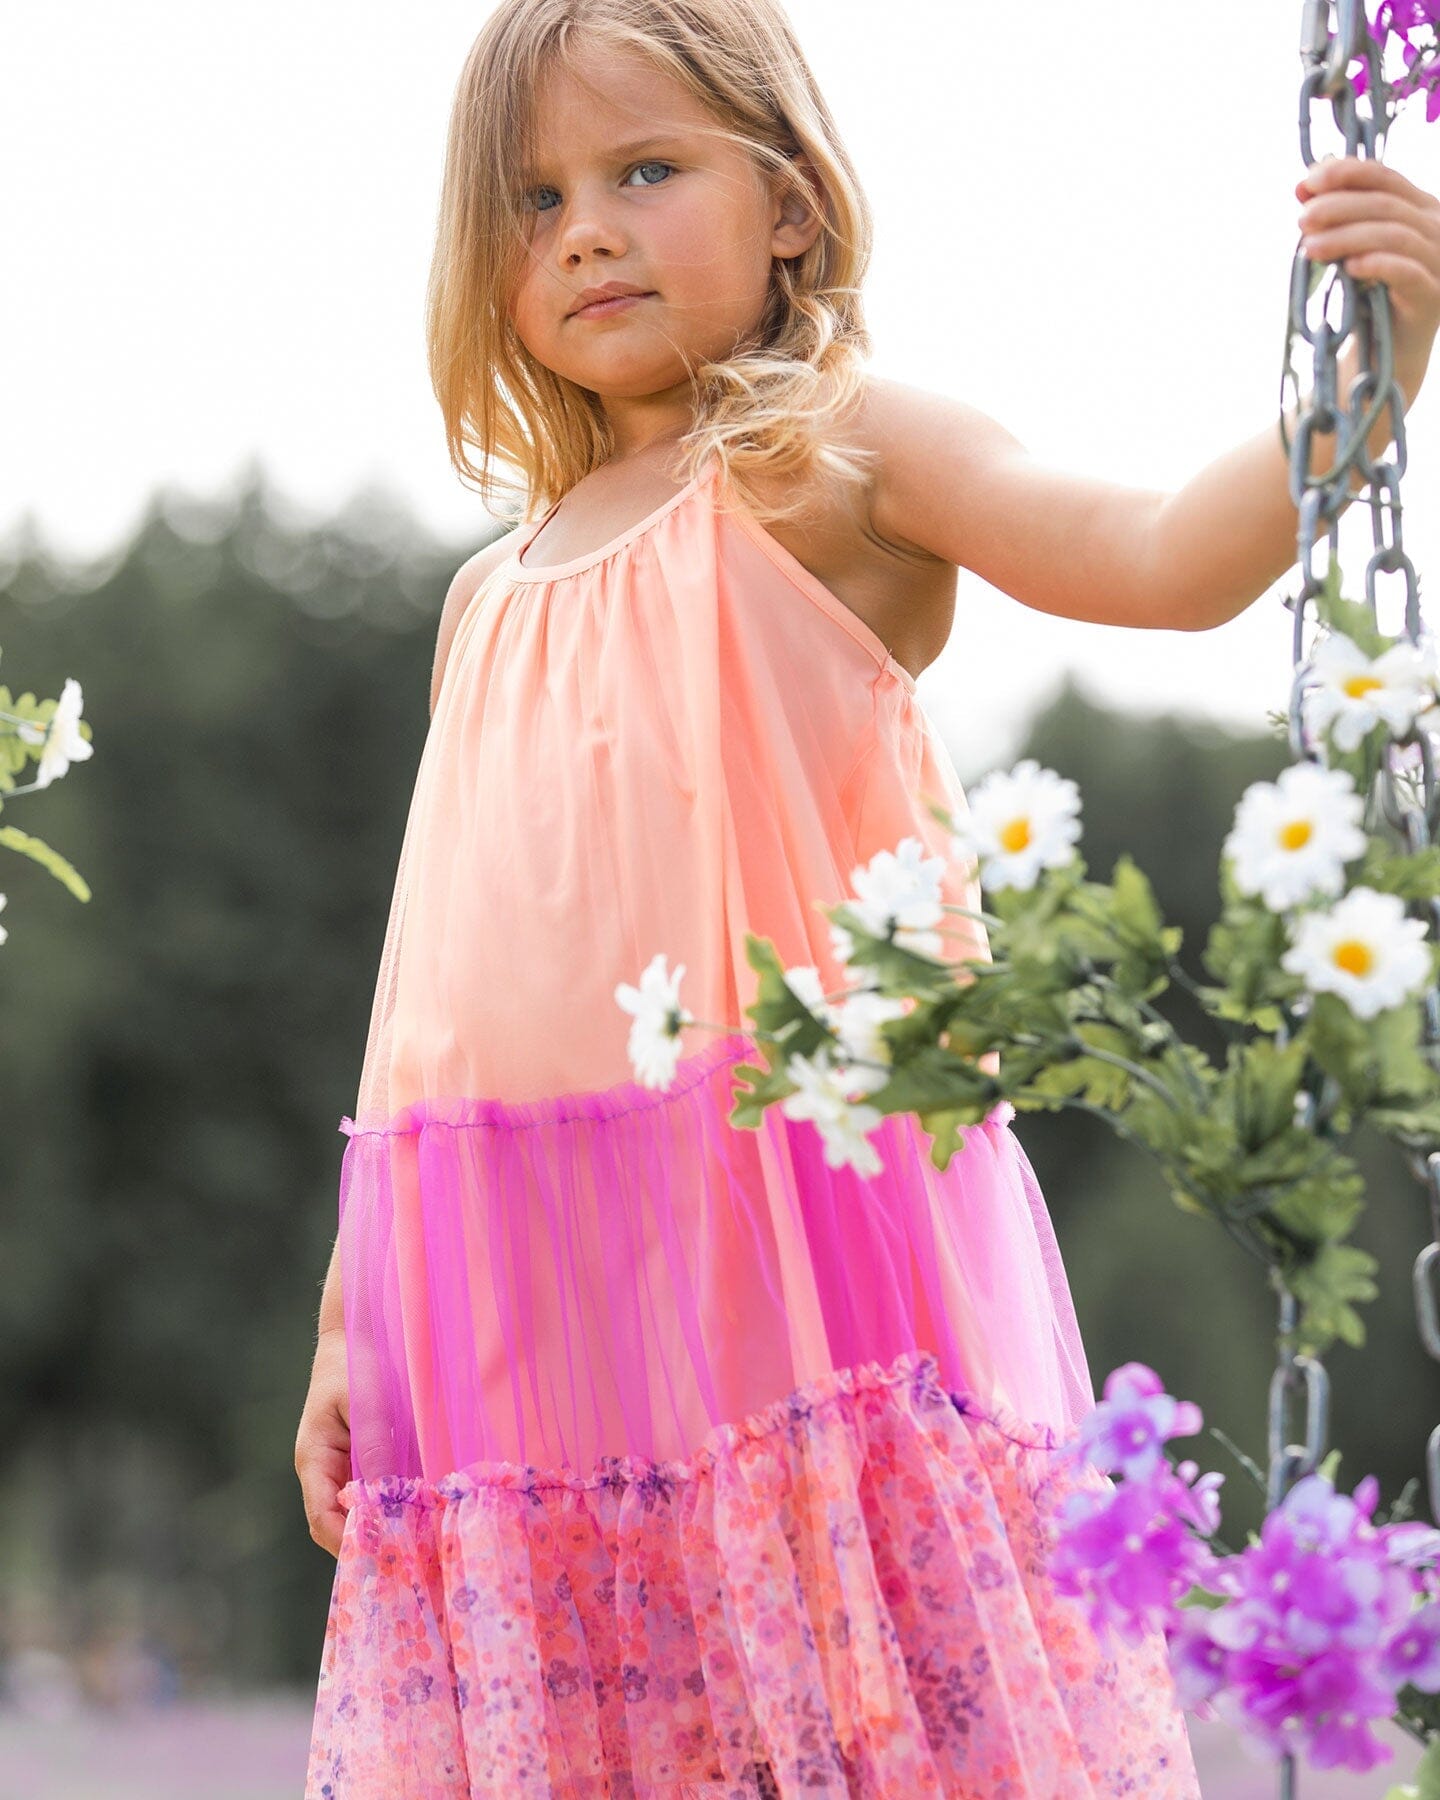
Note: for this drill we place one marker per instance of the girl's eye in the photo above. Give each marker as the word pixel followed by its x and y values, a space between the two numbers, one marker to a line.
pixel 651 165
pixel 534 193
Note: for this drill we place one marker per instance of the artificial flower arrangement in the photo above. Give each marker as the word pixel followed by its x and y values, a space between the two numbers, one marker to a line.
pixel 52 733
pixel 1328 1621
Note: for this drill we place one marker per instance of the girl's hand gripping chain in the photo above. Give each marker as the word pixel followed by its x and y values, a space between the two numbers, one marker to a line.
pixel 1380 227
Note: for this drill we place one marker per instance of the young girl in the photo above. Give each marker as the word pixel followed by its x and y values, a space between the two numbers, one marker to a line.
pixel 660 1457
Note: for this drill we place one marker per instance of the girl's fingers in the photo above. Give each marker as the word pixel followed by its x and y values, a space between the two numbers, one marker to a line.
pixel 1404 241
pixel 323 1512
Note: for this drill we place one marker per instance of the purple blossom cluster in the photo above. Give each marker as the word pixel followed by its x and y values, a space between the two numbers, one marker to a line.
pixel 1303 1640
pixel 1398 19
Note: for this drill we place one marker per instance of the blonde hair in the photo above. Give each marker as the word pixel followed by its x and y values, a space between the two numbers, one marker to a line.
pixel 772 404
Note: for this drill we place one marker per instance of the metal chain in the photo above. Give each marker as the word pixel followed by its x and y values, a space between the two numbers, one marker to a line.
pixel 1326 55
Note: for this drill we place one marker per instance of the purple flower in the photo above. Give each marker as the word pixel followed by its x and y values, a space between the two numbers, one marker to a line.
pixel 1397 19
pixel 1126 1431
pixel 1321 1627
pixel 1321 1620
pixel 1129 1552
pixel 1412 1655
pixel 1197 1661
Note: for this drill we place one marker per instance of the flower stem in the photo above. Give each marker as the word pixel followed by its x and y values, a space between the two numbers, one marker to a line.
pixel 964 912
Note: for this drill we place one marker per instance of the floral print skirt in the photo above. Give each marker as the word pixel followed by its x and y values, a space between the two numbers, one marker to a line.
pixel 843 1595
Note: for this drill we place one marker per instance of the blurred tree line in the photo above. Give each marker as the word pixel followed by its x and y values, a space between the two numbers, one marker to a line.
pixel 178 1052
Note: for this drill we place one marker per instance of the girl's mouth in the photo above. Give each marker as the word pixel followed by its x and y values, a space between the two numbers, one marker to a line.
pixel 603 308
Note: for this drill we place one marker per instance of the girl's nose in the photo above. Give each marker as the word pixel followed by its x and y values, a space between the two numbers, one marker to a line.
pixel 588 221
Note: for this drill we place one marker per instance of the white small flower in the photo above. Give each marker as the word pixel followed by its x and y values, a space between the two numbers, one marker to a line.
pixel 1356 693
pixel 1365 949
pixel 823 1098
pixel 843 944
pixel 1020 821
pixel 898 896
pixel 63 742
pixel 1292 838
pixel 3 932
pixel 654 1043
pixel 861 1043
pixel 805 984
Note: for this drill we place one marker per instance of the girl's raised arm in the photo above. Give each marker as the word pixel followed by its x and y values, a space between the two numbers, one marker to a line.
pixel 954 482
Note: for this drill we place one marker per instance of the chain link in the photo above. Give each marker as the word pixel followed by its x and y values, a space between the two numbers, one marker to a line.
pixel 1326 54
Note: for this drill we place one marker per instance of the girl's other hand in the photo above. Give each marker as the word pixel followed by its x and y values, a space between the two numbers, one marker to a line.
pixel 322 1443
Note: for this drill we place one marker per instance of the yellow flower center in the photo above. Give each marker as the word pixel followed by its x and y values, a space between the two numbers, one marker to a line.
pixel 1295 835
pixel 1354 957
pixel 1015 836
pixel 1357 686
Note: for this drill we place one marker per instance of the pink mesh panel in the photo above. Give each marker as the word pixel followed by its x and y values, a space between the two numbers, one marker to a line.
pixel 614 1272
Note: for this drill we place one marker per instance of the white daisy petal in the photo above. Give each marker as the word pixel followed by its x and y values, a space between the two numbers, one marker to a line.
pixel 1366 949
pixel 654 1042
pixel 1292 837
pixel 823 1098
pixel 1354 693
pixel 1020 822
pixel 63 742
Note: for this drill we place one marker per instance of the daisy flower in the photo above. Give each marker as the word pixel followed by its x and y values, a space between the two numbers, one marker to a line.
pixel 1292 838
pixel 898 897
pixel 654 1042
pixel 1020 821
pixel 1356 692
pixel 1365 949
pixel 823 1097
pixel 62 739
pixel 861 1044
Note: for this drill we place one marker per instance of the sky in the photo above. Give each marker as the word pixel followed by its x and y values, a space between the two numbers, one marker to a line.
pixel 220 233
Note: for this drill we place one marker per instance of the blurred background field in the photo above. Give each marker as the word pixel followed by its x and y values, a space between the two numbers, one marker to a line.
pixel 187 1042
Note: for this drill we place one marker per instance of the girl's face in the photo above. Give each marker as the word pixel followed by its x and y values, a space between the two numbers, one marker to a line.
pixel 628 187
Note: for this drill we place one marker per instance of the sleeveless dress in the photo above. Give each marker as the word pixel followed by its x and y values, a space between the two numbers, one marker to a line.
pixel 685 1466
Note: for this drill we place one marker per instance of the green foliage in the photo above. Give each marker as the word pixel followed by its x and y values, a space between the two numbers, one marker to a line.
pixel 1426 1785
pixel 1243 953
pixel 1068 997
pixel 1375 1061
pixel 1327 1287
pixel 38 852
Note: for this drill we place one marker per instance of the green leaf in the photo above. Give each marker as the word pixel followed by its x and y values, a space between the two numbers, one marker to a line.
pixel 1348 616
pixel 934 1079
pixel 1374 1060
pixel 1258 1088
pixel 1325 1201
pixel 1338 1275
pixel 1198 1596
pixel 1416 1127
pixel 64 872
pixel 765 1087
pixel 1243 952
pixel 1098 1083
pixel 1412 876
pixel 1426 1785
pixel 1395 1040
pixel 1223 1004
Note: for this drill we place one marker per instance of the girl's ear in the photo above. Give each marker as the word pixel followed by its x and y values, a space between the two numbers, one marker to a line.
pixel 799 221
